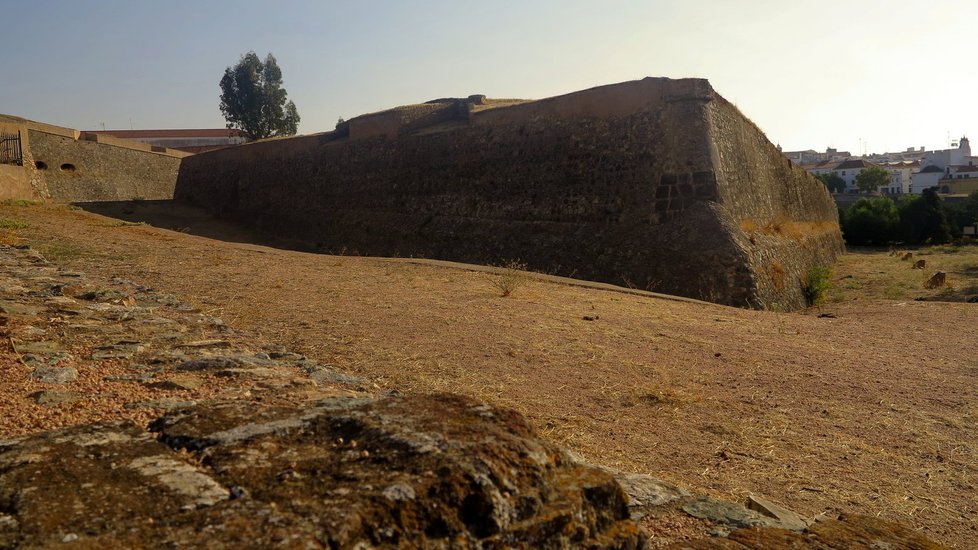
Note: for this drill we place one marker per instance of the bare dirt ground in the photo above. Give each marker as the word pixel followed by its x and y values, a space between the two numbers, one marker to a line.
pixel 873 409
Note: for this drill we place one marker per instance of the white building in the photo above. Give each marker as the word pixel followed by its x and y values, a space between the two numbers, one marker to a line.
pixel 928 176
pixel 958 156
pixel 810 156
pixel 956 162
pixel 901 177
pixel 847 170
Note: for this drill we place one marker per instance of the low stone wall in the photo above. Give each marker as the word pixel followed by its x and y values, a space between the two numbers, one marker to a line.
pixel 90 167
pixel 644 184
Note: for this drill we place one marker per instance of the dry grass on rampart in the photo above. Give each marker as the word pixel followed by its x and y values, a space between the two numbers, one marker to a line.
pixel 798 231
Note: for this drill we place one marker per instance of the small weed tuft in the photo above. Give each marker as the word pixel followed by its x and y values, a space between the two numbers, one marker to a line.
pixel 59 252
pixel 816 284
pixel 6 223
pixel 19 202
pixel 512 277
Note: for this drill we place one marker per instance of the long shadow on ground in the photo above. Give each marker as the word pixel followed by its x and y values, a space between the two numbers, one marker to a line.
pixel 186 218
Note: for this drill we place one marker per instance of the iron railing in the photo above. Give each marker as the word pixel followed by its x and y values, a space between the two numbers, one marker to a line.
pixel 10 149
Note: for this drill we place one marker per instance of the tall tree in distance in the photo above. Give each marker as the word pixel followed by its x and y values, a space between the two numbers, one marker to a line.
pixel 254 101
pixel 869 180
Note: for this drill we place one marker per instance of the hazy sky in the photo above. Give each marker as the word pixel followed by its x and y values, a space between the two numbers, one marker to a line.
pixel 862 75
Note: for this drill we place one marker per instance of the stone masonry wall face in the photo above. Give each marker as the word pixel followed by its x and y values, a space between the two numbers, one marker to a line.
pixel 595 198
pixel 101 172
pixel 632 199
pixel 759 187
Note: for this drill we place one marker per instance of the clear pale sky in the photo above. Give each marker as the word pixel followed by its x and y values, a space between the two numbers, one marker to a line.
pixel 861 75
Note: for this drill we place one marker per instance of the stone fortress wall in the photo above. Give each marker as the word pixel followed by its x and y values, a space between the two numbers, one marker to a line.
pixel 657 183
pixel 67 165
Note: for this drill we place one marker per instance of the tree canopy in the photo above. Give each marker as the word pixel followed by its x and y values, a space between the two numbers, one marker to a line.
pixel 871 221
pixel 872 178
pixel 924 219
pixel 835 183
pixel 254 101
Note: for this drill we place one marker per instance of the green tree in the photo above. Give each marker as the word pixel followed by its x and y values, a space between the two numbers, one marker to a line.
pixel 871 221
pixel 833 182
pixel 254 101
pixel 871 179
pixel 924 219
pixel 963 214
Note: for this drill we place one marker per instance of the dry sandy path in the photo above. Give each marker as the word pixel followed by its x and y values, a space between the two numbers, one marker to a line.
pixel 874 410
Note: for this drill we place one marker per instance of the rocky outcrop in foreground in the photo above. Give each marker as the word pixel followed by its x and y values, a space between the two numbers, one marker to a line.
pixel 344 473
pixel 258 465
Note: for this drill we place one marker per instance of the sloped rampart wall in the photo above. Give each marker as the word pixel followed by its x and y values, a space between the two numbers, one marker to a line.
pixel 621 184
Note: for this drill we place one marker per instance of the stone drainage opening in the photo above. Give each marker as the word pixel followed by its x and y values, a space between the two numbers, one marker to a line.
pixel 68 167
pixel 41 165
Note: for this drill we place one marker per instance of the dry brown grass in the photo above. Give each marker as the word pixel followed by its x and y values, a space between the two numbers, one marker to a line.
pixel 510 277
pixel 874 274
pixel 799 231
pixel 777 273
pixel 871 411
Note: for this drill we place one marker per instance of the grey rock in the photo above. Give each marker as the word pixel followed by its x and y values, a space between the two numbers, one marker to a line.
pixel 330 376
pixel 309 478
pixel 399 491
pixel 178 382
pixel 41 348
pixel 17 308
pixel 286 355
pixel 323 374
pixel 47 360
pixel 726 513
pixel 56 397
pixel 647 491
pixel 143 378
pixel 210 363
pixel 207 344
pixel 54 375
pixel 182 479
pixel 120 350
pixel 255 373
pixel 167 403
pixel 785 517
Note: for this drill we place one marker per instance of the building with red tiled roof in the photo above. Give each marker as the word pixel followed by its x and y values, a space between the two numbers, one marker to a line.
pixel 191 140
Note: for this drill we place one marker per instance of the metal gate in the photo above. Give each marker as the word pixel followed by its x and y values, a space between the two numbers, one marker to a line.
pixel 10 151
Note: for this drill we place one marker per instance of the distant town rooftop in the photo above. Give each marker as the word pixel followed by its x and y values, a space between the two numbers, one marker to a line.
pixel 174 133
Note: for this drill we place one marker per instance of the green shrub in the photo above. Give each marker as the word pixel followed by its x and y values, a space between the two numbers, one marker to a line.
pixel 924 219
pixel 871 221
pixel 816 284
